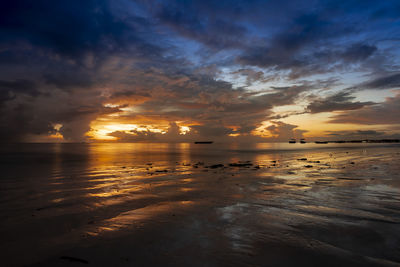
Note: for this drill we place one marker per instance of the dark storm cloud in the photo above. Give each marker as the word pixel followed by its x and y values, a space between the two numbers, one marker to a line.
pixel 214 104
pixel 21 121
pixel 48 46
pixel 68 42
pixel 302 63
pixel 324 38
pixel 18 120
pixel 253 76
pixel 212 31
pixel 366 133
pixel 37 116
pixel 9 89
pixel 68 80
pixel 339 101
pixel 281 50
pixel 382 113
pixel 361 135
pixel 19 86
pixel 387 82
pixel 69 28
pixel 303 47
pixel 62 62
pixel 358 52
pixel 211 130
pixel 124 94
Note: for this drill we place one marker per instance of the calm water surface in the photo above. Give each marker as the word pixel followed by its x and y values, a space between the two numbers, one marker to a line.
pixel 145 204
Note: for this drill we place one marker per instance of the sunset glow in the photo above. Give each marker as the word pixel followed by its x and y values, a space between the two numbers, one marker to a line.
pixel 200 133
pixel 237 71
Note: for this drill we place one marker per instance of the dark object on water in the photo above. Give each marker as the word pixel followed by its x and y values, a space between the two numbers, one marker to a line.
pixel 74 259
pixel 308 166
pixel 216 166
pixel 292 141
pixel 302 159
pixel 241 164
pixel 302 141
pixel 383 141
pixel 321 142
pixel 203 142
pixel 368 141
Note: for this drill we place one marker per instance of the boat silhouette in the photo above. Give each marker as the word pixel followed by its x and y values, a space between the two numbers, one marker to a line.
pixel 292 141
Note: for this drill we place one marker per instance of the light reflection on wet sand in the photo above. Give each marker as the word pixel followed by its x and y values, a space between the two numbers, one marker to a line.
pixel 303 206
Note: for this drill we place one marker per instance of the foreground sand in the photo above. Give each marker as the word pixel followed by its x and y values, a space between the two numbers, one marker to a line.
pixel 325 207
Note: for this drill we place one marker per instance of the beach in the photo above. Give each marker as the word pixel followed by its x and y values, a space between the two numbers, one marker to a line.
pixel 115 204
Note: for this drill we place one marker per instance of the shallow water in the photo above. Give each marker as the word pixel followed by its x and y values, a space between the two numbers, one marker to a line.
pixel 146 204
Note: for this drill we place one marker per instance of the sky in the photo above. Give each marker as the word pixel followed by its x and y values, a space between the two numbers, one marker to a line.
pixel 180 71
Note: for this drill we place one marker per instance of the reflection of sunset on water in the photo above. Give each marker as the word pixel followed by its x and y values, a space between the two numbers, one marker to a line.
pixel 240 195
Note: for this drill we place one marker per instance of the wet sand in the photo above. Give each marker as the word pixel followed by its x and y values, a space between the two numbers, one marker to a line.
pixel 180 205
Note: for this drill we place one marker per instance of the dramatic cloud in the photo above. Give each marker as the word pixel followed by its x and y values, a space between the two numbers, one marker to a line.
pixel 391 81
pixel 359 135
pixel 384 113
pixel 355 134
pixel 357 52
pixel 222 70
pixel 213 31
pixel 282 131
pixel 339 101
pixel 71 28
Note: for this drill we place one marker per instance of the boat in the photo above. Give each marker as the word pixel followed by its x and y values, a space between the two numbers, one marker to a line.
pixel 292 141
pixel 203 142
pixel 321 142
pixel 302 141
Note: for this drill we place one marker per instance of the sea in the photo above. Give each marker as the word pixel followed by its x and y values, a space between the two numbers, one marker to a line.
pixel 180 204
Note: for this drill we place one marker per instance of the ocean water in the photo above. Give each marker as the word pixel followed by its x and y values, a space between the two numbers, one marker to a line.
pixel 127 204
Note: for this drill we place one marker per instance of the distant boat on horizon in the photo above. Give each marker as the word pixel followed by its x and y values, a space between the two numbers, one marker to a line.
pixel 321 142
pixel 302 141
pixel 204 142
pixel 292 141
